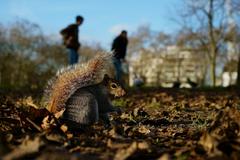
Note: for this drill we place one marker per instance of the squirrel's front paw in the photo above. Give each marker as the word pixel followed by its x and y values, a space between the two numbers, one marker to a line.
pixel 118 110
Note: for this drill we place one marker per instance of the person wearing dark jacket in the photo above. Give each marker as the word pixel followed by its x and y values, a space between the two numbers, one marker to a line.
pixel 71 40
pixel 119 49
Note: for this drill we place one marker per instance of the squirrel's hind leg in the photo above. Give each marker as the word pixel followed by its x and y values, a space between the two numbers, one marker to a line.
pixel 105 118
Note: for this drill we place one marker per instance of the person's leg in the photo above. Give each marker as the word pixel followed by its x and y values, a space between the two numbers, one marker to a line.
pixel 72 56
pixel 118 67
pixel 75 56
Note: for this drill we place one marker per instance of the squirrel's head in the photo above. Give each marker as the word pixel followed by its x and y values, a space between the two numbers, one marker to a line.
pixel 113 86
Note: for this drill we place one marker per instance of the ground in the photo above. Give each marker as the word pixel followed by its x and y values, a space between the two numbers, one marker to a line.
pixel 155 123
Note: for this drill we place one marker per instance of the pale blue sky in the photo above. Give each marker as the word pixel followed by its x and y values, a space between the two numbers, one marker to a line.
pixel 103 18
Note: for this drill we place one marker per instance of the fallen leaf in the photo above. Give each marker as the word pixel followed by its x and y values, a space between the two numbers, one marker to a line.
pixel 28 146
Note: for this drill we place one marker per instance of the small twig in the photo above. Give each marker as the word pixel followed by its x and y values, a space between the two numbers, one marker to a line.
pixel 34 124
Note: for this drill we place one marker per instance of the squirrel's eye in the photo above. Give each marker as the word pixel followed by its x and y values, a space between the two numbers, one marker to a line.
pixel 113 85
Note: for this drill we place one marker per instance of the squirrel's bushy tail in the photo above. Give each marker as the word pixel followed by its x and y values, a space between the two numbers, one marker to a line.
pixel 69 79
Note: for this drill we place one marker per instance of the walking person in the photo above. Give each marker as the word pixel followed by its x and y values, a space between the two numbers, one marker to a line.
pixel 71 39
pixel 119 49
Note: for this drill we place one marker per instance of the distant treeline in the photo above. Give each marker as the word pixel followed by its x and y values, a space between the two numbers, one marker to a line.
pixel 29 58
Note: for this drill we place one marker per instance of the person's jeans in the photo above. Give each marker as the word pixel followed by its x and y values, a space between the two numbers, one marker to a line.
pixel 72 56
pixel 118 66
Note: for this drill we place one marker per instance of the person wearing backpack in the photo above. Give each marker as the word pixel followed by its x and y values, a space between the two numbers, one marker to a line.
pixel 71 39
pixel 119 49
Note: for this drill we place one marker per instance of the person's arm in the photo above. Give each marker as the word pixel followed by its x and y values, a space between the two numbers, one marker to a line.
pixel 114 44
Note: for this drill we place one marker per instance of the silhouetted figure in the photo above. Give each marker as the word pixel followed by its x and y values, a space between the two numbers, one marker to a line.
pixel 191 83
pixel 71 40
pixel 119 48
pixel 176 84
pixel 138 81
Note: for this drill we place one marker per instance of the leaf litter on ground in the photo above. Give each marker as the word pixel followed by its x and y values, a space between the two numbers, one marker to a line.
pixel 154 124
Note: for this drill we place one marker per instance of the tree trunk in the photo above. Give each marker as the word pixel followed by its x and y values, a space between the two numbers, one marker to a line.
pixel 238 72
pixel 213 72
pixel 213 46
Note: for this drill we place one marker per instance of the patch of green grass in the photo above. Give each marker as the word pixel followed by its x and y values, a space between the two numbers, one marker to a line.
pixel 119 102
pixel 200 124
pixel 154 105
pixel 183 156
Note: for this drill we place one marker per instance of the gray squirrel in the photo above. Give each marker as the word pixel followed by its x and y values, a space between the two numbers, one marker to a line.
pixel 82 92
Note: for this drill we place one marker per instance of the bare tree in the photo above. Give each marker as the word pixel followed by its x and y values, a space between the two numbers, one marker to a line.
pixel 138 40
pixel 28 58
pixel 206 21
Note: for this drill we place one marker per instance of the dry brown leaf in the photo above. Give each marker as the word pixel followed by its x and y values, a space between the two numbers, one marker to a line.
pixel 59 114
pixel 114 134
pixel 29 101
pixel 210 144
pixel 64 128
pixel 144 130
pixel 165 156
pixel 28 146
pixel 123 154
pixel 56 137
pixel 51 120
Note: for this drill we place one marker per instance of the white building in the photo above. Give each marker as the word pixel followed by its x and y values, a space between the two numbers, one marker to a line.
pixel 167 67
